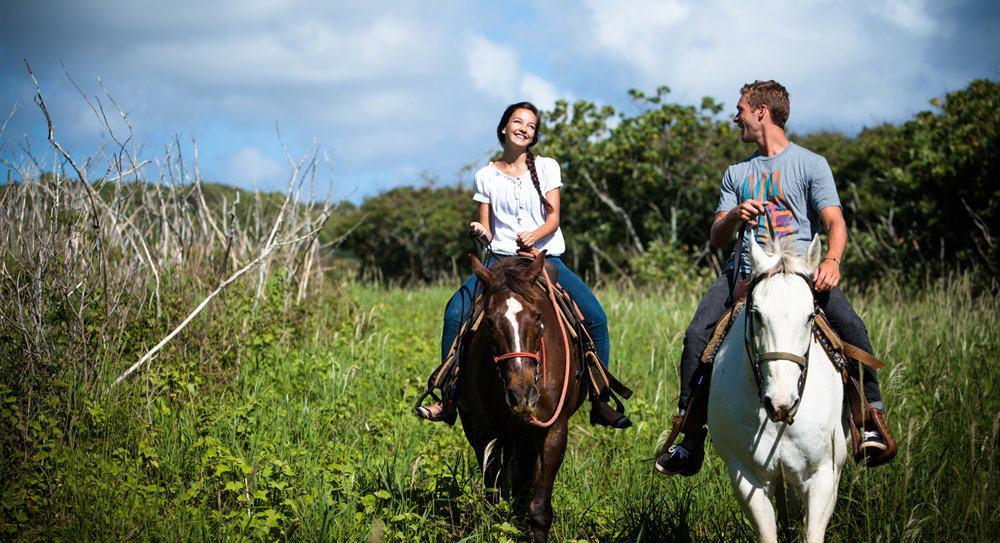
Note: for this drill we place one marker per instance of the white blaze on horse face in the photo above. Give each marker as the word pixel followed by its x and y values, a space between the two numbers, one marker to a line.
pixel 784 303
pixel 513 308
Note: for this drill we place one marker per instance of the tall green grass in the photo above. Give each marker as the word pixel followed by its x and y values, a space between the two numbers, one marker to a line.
pixel 310 438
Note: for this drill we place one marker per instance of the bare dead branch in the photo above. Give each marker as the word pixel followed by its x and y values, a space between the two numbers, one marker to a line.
pixel 617 210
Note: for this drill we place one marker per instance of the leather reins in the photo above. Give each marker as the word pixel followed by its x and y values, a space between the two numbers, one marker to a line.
pixel 539 357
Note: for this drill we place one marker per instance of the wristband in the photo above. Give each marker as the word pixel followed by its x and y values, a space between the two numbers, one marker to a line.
pixel 833 259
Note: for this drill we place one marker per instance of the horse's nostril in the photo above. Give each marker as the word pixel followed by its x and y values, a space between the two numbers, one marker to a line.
pixel 511 399
pixel 532 395
pixel 768 406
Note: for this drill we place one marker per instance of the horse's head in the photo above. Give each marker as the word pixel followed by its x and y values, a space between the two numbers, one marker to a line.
pixel 780 309
pixel 513 322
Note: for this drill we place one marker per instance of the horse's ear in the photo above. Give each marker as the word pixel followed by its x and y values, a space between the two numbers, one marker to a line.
pixel 482 272
pixel 759 260
pixel 814 254
pixel 536 267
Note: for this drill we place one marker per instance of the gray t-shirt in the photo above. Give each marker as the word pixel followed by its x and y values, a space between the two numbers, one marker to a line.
pixel 795 185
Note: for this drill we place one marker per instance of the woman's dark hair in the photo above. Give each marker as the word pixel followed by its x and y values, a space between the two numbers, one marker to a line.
pixel 504 119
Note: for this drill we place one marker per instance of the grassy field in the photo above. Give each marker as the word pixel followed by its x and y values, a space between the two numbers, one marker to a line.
pixel 307 436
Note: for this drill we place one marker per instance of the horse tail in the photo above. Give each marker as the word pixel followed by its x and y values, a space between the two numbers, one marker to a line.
pixel 492 454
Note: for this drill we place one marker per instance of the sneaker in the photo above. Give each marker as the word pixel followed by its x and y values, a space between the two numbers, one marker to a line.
pixel 678 460
pixel 873 440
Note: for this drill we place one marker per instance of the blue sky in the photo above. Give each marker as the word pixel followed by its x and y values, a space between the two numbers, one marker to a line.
pixel 397 91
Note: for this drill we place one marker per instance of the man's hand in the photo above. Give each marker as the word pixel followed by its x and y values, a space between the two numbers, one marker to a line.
pixel 827 275
pixel 749 210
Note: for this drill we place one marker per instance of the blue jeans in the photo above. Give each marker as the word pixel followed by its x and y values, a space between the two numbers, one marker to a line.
pixel 460 307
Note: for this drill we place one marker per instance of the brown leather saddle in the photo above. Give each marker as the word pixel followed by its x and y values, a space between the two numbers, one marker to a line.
pixel 838 350
pixel 601 383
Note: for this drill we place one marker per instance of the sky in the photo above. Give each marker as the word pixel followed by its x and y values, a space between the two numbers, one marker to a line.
pixel 396 93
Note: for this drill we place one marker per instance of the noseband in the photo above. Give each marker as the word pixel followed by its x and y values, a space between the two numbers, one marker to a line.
pixel 538 357
pixel 756 358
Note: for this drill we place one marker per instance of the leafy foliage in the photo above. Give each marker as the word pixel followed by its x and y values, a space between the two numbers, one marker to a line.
pixel 310 438
pixel 920 195
pixel 412 234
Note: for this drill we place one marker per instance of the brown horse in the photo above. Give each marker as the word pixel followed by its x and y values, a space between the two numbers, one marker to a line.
pixel 519 387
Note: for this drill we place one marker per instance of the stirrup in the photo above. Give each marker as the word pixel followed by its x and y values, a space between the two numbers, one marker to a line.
pixel 873 440
pixel 437 412
pixel 440 411
pixel 874 455
pixel 674 461
pixel 602 414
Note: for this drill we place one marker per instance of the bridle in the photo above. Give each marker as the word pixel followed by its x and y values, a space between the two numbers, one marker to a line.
pixel 755 359
pixel 539 357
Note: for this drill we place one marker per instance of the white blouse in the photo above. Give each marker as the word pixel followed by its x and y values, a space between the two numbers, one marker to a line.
pixel 516 206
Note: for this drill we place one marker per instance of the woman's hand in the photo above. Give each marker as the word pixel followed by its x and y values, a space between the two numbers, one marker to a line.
pixel 481 231
pixel 527 239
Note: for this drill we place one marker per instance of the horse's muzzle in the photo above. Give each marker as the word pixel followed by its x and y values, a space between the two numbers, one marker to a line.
pixel 780 413
pixel 522 402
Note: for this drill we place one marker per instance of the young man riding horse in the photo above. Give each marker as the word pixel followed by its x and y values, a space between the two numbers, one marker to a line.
pixel 793 188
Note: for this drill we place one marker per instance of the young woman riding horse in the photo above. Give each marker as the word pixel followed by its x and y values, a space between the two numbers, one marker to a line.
pixel 518 198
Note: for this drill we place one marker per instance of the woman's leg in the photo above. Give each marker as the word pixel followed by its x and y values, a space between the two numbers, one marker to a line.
pixel 596 322
pixel 455 313
pixel 594 317
pixel 458 309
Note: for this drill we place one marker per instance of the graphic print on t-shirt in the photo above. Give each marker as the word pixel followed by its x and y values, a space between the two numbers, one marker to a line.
pixel 768 190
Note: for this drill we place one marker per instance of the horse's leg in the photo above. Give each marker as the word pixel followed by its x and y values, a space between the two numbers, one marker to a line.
pixel 752 495
pixel 820 498
pixel 487 450
pixel 550 457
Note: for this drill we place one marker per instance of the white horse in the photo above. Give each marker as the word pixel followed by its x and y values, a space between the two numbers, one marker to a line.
pixel 776 429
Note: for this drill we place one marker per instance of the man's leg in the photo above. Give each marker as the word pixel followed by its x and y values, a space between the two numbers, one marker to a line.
pixel 686 457
pixel 877 443
pixel 709 311
pixel 851 329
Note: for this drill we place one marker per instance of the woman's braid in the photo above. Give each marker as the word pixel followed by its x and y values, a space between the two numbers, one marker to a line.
pixel 534 179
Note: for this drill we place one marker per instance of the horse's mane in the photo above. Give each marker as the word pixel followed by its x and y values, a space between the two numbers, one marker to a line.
pixel 789 262
pixel 512 273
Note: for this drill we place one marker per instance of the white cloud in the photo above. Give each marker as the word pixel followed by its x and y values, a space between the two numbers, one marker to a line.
pixel 909 14
pixel 492 67
pixel 633 28
pixel 395 88
pixel 251 166
pixel 495 70
pixel 841 64
pixel 539 91
pixel 310 52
